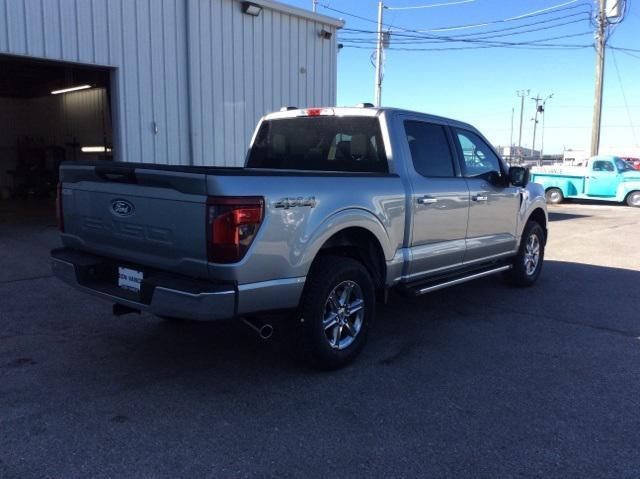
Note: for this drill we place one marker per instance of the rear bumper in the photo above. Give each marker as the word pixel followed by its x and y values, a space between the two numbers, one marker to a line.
pixel 161 293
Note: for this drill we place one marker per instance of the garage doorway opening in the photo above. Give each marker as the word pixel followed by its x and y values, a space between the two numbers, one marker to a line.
pixel 50 112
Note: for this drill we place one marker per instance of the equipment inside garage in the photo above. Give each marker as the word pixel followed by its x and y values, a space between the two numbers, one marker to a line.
pixel 49 112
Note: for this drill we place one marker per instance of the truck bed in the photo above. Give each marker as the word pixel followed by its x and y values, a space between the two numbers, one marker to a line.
pixel 167 227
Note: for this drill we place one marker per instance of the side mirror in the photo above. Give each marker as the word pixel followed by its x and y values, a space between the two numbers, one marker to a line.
pixel 519 176
pixel 494 178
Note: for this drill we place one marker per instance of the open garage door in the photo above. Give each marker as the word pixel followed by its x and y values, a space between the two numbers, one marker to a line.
pixel 49 112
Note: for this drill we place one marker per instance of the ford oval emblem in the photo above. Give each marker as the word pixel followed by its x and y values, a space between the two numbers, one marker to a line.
pixel 122 208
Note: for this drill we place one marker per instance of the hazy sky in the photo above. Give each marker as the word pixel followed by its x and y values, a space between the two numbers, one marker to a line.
pixel 479 85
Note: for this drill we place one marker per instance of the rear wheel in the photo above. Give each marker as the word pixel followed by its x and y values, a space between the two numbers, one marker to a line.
pixel 336 312
pixel 528 262
pixel 633 199
pixel 554 196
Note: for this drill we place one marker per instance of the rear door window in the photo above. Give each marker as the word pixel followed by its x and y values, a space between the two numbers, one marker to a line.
pixel 320 143
pixel 430 150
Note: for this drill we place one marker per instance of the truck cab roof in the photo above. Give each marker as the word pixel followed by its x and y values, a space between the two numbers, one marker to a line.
pixel 288 112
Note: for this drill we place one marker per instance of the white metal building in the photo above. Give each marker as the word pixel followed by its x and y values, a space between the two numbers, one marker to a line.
pixel 166 81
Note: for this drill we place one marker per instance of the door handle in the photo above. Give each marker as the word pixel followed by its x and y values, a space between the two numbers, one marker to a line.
pixel 427 200
pixel 480 198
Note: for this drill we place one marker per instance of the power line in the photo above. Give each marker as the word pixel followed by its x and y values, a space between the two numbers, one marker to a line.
pixel 460 27
pixel 432 5
pixel 352 31
pixel 543 10
pixel 624 49
pixel 517 47
pixel 624 97
pixel 431 39
pixel 629 54
pixel 494 43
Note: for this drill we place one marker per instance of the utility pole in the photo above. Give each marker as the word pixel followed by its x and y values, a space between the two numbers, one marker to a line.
pixel 539 109
pixel 542 139
pixel 544 115
pixel 522 94
pixel 379 49
pixel 600 49
pixel 511 140
pixel 314 6
pixel 535 124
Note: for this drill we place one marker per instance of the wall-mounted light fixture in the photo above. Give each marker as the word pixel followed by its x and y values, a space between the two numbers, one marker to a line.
pixel 251 9
pixel 95 149
pixel 325 34
pixel 70 89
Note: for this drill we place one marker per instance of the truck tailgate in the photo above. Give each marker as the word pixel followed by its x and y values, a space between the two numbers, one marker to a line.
pixel 137 214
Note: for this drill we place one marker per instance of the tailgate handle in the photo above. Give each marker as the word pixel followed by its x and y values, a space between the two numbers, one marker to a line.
pixel 117 174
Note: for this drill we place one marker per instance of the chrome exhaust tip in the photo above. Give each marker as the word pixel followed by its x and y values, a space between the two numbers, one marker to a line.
pixel 264 330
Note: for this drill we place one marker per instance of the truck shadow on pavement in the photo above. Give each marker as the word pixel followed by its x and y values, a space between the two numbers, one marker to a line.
pixel 563 216
pixel 569 293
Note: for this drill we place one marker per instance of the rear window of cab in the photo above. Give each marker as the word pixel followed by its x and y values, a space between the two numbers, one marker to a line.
pixel 320 143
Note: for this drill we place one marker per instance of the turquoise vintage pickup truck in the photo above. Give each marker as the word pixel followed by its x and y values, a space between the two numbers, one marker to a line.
pixel 606 178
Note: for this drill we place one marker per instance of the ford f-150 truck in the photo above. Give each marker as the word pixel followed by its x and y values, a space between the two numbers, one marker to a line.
pixel 334 207
pixel 606 178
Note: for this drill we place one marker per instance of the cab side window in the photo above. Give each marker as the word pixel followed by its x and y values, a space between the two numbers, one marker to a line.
pixel 478 157
pixel 430 151
pixel 602 166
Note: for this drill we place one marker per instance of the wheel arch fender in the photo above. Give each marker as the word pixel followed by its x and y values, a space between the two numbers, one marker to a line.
pixel 533 205
pixel 349 220
pixel 625 188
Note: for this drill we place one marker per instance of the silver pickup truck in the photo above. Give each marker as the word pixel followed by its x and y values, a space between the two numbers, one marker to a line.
pixel 334 207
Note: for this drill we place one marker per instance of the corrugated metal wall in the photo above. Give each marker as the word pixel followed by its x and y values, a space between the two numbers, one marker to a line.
pixel 200 71
pixel 243 67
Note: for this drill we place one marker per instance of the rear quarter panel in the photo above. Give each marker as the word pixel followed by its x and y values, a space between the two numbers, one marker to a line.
pixel 289 238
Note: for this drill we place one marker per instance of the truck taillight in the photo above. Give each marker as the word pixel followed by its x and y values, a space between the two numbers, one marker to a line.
pixel 232 224
pixel 319 111
pixel 59 216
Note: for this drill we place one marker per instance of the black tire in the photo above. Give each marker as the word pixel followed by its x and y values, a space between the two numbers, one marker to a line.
pixel 554 196
pixel 520 274
pixel 633 199
pixel 309 339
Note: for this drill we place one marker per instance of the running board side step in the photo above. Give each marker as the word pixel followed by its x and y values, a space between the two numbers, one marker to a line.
pixel 435 286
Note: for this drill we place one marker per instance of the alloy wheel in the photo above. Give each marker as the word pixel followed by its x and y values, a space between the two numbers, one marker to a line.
pixel 343 314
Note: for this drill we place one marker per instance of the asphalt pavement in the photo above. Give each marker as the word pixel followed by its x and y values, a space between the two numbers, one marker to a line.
pixel 482 380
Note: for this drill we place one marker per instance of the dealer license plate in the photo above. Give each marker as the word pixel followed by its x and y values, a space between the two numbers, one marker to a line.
pixel 129 279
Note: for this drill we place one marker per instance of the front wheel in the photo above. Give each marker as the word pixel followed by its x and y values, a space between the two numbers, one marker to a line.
pixel 633 199
pixel 554 196
pixel 336 312
pixel 528 262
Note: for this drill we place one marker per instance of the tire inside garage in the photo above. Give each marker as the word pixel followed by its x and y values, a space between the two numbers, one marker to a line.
pixel 49 112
